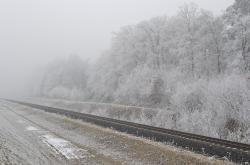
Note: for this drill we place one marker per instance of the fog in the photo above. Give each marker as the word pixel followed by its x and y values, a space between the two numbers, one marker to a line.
pixel 33 32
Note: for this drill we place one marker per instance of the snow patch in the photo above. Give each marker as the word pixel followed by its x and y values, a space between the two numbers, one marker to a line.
pixel 63 147
pixel 31 128
pixel 20 121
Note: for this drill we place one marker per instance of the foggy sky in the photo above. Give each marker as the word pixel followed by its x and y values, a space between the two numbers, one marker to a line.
pixel 34 32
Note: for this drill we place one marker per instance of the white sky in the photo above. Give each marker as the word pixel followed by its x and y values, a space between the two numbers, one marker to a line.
pixel 34 32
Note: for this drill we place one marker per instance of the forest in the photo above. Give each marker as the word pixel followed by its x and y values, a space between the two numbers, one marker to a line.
pixel 193 63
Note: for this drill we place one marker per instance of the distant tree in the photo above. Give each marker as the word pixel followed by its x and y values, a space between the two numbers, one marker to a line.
pixel 242 6
pixel 209 43
pixel 189 15
pixel 65 75
pixel 237 30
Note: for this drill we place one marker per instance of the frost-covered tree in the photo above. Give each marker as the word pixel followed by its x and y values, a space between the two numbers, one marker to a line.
pixel 189 15
pixel 208 50
pixel 237 31
pixel 64 78
pixel 194 63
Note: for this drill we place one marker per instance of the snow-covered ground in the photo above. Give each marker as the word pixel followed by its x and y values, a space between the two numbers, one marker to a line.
pixel 35 137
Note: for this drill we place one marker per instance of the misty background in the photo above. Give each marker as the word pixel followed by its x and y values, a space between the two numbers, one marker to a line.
pixel 34 33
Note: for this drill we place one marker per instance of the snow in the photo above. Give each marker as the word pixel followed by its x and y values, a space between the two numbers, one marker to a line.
pixel 20 121
pixel 31 128
pixel 57 141
pixel 228 27
pixel 64 147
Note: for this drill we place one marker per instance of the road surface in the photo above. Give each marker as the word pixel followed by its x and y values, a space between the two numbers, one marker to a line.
pixel 28 136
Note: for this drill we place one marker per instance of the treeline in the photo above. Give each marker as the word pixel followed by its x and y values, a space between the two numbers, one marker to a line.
pixel 195 63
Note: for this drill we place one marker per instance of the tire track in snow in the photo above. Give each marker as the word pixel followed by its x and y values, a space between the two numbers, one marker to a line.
pixel 64 147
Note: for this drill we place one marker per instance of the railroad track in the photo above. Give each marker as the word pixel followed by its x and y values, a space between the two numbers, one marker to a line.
pixel 236 152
